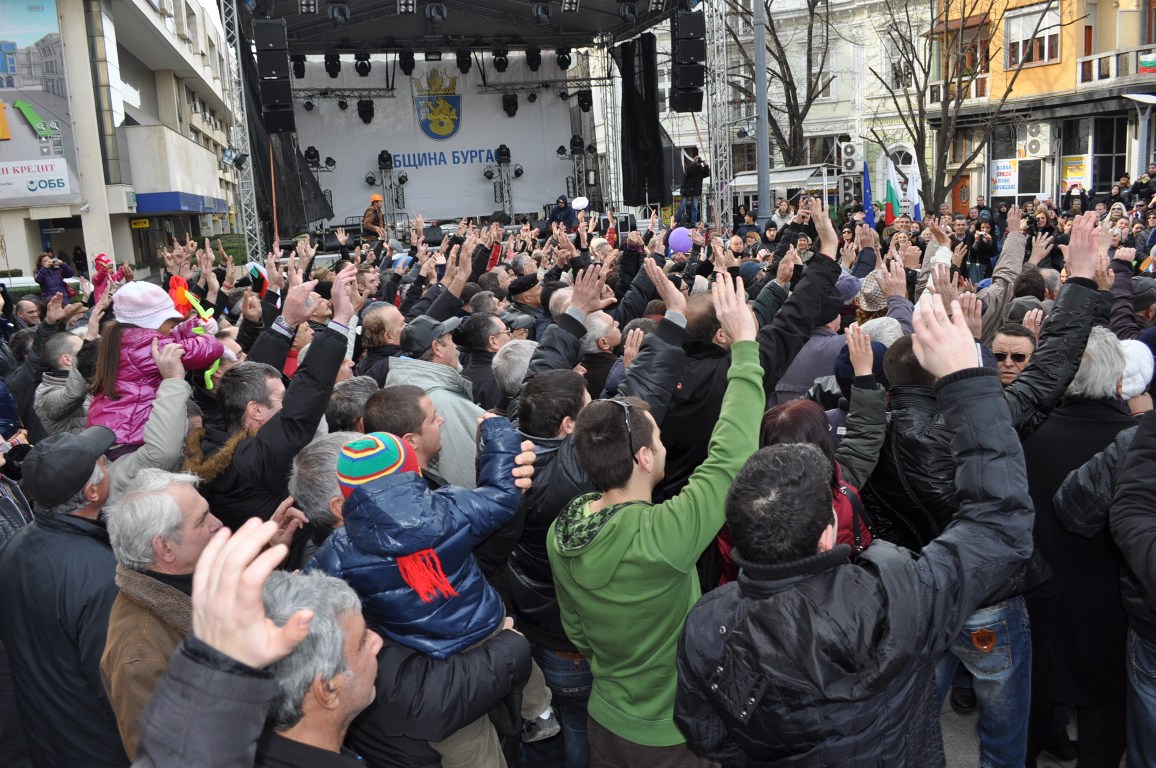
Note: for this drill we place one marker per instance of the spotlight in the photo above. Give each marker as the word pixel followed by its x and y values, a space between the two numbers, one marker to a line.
pixel 570 6
pixel 488 173
pixel 406 6
pixel 365 111
pixel 370 179
pixel 239 163
pixel 384 160
pixel 308 105
pixel 333 64
pixel 540 12
pixel 561 151
pixel 510 103
pixel 532 97
pixel 361 64
pixel 312 156
pixel 577 144
pixel 501 59
pixel 533 58
pixel 503 154
pixel 330 163
pixel 743 133
pixel 298 65
pixel 435 14
pixel 628 12
pixel 342 104
pixel 518 171
pixel 563 58
pixel 464 61
pixel 402 177
pixel 339 14
pixel 406 62
pixel 585 100
pixel 591 149
pixel 307 6
pixel 564 94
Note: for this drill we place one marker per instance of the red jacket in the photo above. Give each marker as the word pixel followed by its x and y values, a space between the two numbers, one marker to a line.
pixel 137 378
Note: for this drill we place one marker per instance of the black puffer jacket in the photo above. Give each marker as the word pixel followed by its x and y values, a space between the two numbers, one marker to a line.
pixel 1134 530
pixel 823 662
pixel 911 494
pixel 558 478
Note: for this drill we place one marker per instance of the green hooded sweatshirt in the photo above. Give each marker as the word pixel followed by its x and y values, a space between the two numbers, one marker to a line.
pixel 626 575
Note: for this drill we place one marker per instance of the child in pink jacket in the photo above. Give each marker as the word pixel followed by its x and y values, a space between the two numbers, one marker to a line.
pixel 104 276
pixel 127 378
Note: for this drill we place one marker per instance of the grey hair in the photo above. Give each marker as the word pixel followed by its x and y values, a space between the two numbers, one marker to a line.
pixel 884 330
pixel 243 384
pixel 1101 367
pixel 313 479
pixel 521 261
pixel 558 301
pixel 483 302
pixel 1115 232
pixel 598 325
pixel 75 502
pixel 347 403
pixel 142 514
pixel 510 364
pixel 1051 280
pixel 322 654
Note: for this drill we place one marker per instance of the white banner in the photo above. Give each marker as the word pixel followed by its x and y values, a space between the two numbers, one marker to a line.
pixel 442 132
pixel 1005 178
pixel 34 178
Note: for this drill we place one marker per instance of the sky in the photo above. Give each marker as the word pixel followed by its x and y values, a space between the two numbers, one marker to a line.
pixel 26 21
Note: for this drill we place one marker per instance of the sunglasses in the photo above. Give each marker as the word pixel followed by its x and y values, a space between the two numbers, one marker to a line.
pixel 629 434
pixel 1017 357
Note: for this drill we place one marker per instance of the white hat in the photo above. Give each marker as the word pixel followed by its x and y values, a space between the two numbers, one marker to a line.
pixel 1138 365
pixel 579 203
pixel 144 305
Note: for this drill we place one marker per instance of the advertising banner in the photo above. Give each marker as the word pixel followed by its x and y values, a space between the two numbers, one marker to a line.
pixel 1075 169
pixel 1005 178
pixel 442 132
pixel 37 152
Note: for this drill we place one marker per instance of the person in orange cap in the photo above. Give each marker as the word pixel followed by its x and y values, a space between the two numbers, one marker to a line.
pixel 373 222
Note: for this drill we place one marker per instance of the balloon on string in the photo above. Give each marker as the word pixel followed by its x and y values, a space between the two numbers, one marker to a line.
pixel 680 240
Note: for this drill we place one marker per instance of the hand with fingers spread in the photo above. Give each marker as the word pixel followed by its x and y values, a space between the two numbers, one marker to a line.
pixel 228 612
pixel 671 296
pixel 56 311
pixel 730 306
pixel 913 257
pixel 972 309
pixel 632 345
pixel 848 254
pixel 942 284
pixel 959 254
pixel 937 234
pixel 289 520
pixel 1034 322
pixel 894 282
pixel 1104 276
pixel 943 346
pixel 1041 247
pixel 859 348
pixel 1083 251
pixel 864 236
pixel 92 332
pixel 821 218
pixel 298 306
pixel 587 295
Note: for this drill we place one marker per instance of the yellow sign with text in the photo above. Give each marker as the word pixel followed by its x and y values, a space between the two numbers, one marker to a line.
pixel 139 223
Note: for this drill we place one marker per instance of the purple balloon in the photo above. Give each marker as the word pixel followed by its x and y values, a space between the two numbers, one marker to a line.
pixel 680 241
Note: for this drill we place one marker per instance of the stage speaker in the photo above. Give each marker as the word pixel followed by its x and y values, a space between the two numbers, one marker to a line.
pixel 689 76
pixel 270 35
pixel 692 51
pixel 688 26
pixel 272 64
pixel 276 94
pixel 279 120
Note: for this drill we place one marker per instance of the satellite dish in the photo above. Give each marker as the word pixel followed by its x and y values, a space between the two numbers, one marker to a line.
pixel 580 204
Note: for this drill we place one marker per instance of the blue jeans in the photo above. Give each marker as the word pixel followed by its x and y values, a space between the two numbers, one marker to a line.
pixel 1141 702
pixel 689 205
pixel 995 646
pixel 569 681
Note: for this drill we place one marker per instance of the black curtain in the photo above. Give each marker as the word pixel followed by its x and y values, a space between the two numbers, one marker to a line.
pixel 645 177
pixel 672 161
pixel 300 199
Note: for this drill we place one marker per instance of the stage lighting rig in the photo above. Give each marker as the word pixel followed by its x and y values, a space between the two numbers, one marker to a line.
pixel 333 64
pixel 365 110
pixel 501 59
pixel 405 61
pixel 464 61
pixel 563 58
pixel 533 58
pixel 361 64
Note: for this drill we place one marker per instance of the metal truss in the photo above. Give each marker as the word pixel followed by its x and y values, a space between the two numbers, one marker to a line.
pixel 239 135
pixel 718 112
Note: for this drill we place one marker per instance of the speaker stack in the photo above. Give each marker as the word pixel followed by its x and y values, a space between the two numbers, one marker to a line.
pixel 271 41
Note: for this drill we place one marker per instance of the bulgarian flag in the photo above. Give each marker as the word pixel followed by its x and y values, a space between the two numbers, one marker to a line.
pixel 1147 62
pixel 891 205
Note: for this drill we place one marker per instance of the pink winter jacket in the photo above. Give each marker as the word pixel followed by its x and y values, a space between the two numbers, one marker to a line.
pixel 101 280
pixel 138 379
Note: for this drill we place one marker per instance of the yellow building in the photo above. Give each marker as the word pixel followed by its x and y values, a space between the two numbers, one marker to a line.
pixel 1066 67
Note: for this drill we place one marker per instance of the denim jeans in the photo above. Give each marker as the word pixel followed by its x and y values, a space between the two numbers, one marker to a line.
pixel 569 681
pixel 689 205
pixel 995 646
pixel 1141 702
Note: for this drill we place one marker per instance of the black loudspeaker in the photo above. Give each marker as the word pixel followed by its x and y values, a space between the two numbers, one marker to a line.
pixel 689 51
pixel 686 101
pixel 270 35
pixel 279 120
pixel 542 226
pixel 688 26
pixel 689 76
pixel 272 64
pixel 276 94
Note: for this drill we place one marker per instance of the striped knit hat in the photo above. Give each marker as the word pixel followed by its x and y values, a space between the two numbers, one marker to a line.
pixel 371 457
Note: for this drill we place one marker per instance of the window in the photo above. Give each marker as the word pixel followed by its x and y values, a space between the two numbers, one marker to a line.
pixel 962 145
pixel 1074 139
pixel 823 69
pixel 1033 37
pixel 822 149
pixel 743 157
pixel 1109 151
pixel 898 56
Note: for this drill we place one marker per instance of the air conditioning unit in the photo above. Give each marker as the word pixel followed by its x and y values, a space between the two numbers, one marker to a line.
pixel 850 188
pixel 167 8
pixel 1035 140
pixel 196 107
pixel 850 156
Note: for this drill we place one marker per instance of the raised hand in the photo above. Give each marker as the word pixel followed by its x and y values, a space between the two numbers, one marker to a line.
pixel 1034 322
pixel 298 306
pixel 342 301
pixel 273 273
pixel 1083 249
pixel 972 309
pixel 943 346
pixel 289 520
pixel 1015 215
pixel 588 286
pixel 894 282
pixel 1041 247
pixel 251 307
pixel 730 306
pixel 859 348
pixel 671 296
pixel 632 346
pixel 821 218
pixel 168 360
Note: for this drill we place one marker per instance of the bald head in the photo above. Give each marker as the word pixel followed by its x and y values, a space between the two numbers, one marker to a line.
pixel 382 326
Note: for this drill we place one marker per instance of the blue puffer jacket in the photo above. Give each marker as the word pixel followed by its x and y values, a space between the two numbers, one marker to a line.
pixel 398 516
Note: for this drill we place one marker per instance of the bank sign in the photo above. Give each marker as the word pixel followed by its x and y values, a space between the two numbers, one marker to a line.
pixel 36 178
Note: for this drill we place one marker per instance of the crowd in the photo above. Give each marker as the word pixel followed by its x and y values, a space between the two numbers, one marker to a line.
pixel 577 496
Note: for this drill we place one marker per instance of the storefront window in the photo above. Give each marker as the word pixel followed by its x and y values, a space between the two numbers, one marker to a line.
pixel 1109 152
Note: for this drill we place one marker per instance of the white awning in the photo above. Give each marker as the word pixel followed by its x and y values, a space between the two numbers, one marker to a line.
pixel 786 178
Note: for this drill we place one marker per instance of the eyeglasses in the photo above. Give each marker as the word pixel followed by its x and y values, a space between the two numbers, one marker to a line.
pixel 1017 357
pixel 629 434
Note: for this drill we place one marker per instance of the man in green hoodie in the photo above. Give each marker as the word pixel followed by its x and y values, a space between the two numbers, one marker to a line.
pixel 625 568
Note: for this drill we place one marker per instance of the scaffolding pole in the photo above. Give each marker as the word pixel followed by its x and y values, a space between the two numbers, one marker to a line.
pixel 718 112
pixel 611 164
pixel 246 197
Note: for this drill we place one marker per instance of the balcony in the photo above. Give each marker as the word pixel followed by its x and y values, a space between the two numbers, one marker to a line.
pixel 973 89
pixel 1115 67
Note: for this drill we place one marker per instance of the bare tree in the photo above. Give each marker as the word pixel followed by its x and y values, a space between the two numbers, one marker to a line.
pixel 798 72
pixel 938 73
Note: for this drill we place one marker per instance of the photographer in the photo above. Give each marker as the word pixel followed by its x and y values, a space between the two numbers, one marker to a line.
pixel 50 275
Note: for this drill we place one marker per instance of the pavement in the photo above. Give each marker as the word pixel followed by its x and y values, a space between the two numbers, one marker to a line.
pixel 961 743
